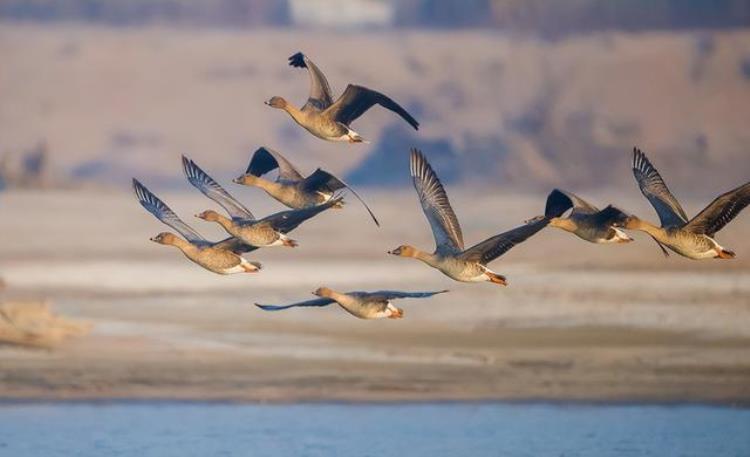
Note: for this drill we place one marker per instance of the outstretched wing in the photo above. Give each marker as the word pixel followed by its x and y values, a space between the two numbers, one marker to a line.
pixel 721 211
pixel 162 212
pixel 266 159
pixel 435 204
pixel 211 189
pixel 315 302
pixel 393 294
pixel 492 248
pixel 235 245
pixel 286 221
pixel 559 198
pixel 656 191
pixel 320 92
pixel 322 180
pixel 357 99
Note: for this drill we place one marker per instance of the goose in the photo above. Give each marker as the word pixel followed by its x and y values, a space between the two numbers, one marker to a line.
pixel 364 305
pixel 586 221
pixel 266 232
pixel 330 120
pixel 290 187
pixel 222 257
pixel 450 257
pixel 690 238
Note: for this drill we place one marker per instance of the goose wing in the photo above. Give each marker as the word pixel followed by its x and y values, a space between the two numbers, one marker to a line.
pixel 322 180
pixel 357 99
pixel 721 211
pixel 435 204
pixel 393 294
pixel 314 302
pixel 492 248
pixel 235 245
pixel 558 198
pixel 162 212
pixel 286 221
pixel 211 189
pixel 266 159
pixel 656 191
pixel 320 92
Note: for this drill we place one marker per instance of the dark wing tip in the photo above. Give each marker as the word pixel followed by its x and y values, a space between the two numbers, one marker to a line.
pixel 557 203
pixel 297 60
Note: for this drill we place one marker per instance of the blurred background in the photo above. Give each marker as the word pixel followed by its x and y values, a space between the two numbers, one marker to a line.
pixel 514 97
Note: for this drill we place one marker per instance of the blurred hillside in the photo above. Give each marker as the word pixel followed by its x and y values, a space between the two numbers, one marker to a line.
pixel 544 17
pixel 111 103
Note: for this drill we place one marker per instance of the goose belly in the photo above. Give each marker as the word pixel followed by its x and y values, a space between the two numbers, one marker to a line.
pixel 696 247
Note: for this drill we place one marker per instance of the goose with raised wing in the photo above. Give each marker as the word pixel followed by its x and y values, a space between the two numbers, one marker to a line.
pixel 450 257
pixel 586 221
pixel 222 257
pixel 692 238
pixel 290 187
pixel 266 232
pixel 328 119
pixel 364 305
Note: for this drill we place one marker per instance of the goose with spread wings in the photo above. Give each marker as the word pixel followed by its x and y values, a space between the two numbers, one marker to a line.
pixel 328 119
pixel 450 257
pixel 290 187
pixel 364 305
pixel 266 232
pixel 691 238
pixel 222 257
pixel 585 220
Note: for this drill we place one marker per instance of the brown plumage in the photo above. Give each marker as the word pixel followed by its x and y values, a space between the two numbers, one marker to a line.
pixel 331 120
pixel 694 238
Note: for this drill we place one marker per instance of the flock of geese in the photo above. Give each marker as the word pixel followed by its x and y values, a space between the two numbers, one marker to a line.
pixel 319 191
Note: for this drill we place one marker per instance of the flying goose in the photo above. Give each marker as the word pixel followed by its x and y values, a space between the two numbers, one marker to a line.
pixel 290 187
pixel 364 305
pixel 586 221
pixel 450 257
pixel 330 120
pixel 222 257
pixel 690 238
pixel 269 231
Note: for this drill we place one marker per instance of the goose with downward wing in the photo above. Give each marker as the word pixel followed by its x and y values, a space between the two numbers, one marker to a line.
pixel 364 305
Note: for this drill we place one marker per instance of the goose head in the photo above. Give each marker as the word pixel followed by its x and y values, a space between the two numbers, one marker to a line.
pixel 276 102
pixel 164 238
pixel 208 215
pixel 404 251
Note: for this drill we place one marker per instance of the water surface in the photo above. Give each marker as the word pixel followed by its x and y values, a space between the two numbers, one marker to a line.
pixel 448 429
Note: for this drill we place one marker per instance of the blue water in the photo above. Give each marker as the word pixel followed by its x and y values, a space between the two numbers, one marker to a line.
pixel 451 429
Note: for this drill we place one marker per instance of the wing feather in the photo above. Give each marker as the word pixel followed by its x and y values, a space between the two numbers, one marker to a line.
pixel 320 91
pixel 356 100
pixel 266 159
pixel 322 180
pixel 314 302
pixel 435 204
pixel 211 189
pixel 162 212
pixel 720 212
pixel 656 191
pixel 492 248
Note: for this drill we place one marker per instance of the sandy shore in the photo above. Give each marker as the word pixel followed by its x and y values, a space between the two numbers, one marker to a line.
pixel 578 322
